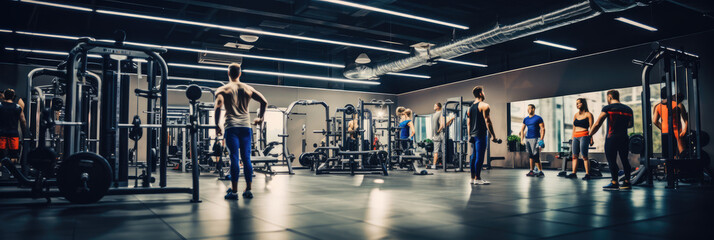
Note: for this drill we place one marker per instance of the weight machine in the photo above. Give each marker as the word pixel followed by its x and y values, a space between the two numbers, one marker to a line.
pixel 82 176
pixel 690 164
pixel 456 135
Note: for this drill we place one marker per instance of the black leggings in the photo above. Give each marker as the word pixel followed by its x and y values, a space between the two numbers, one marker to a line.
pixel 615 146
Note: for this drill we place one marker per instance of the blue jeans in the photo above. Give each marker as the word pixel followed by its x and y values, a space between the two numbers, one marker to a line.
pixel 477 156
pixel 238 140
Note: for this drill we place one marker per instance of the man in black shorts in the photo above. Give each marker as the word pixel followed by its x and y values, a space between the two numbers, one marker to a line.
pixel 619 119
pixel 10 115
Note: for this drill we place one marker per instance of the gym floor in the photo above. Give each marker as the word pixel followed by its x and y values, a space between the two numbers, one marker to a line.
pixel 400 206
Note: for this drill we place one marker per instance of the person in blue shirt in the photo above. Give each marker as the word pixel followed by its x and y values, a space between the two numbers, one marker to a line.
pixel 533 139
pixel 406 132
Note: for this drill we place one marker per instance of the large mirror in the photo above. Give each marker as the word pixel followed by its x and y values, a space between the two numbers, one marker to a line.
pixel 558 113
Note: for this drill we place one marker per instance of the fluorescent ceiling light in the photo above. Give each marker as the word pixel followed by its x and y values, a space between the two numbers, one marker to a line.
pixel 192 50
pixel 555 45
pixel 409 75
pixel 636 24
pixel 47 35
pixel 198 66
pixel 463 63
pixel 290 75
pixel 404 15
pixel 195 80
pixel 344 80
pixel 248 30
pixel 58 5
pixel 47 52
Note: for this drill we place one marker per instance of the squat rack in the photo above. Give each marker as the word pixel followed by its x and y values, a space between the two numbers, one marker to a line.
pixel 671 59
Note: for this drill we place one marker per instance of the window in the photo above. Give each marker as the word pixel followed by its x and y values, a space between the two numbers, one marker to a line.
pixel 558 112
pixel 423 128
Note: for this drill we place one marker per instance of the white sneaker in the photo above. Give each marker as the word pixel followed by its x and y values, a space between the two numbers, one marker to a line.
pixel 473 181
pixel 484 182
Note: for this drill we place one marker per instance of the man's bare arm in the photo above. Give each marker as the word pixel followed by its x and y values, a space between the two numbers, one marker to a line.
pixel 258 97
pixel 542 130
pixel 23 122
pixel 656 118
pixel 598 123
pixel 489 124
pixel 685 119
pixel 218 104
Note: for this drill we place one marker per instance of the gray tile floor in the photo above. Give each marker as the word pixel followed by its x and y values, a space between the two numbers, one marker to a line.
pixel 403 206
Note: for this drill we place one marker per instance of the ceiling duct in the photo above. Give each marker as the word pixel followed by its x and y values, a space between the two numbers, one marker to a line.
pixel 501 33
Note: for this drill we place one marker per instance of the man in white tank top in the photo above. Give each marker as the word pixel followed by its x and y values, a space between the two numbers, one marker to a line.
pixel 234 97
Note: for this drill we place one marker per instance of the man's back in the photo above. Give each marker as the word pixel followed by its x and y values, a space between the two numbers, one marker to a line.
pixel 10 118
pixel 619 119
pixel 236 96
pixel 435 123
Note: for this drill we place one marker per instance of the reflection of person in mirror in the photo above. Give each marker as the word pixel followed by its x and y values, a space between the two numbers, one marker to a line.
pixel 660 118
pixel 533 139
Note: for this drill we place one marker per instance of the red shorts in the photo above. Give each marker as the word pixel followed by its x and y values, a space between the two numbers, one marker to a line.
pixel 9 143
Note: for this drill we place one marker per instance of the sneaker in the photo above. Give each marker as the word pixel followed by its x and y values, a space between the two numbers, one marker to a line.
pixel 572 175
pixel 231 196
pixel 433 166
pixel 626 185
pixel 484 182
pixel 247 194
pixel 473 181
pixel 587 177
pixel 540 174
pixel 229 190
pixel 530 174
pixel 611 187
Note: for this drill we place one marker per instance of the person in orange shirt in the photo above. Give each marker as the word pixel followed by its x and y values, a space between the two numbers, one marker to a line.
pixel 660 119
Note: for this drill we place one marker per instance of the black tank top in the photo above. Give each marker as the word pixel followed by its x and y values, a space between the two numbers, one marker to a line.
pixel 477 123
pixel 583 123
pixel 9 119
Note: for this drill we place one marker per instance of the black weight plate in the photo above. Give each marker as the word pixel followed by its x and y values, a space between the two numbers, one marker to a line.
pixel 70 174
pixel 42 158
pixel 637 144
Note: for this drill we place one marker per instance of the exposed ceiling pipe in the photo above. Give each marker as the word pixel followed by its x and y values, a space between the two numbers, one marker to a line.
pixel 563 17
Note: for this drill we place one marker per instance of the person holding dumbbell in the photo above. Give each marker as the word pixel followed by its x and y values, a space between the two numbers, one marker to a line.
pixel 533 139
pixel 235 97
pixel 480 126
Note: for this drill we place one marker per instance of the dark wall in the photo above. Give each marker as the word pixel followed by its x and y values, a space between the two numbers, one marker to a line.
pixel 602 71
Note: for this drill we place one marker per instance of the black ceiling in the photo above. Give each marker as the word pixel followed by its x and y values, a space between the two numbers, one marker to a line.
pixel 329 21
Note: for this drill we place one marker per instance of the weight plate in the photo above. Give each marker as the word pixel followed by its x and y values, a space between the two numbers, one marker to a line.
pixel 84 177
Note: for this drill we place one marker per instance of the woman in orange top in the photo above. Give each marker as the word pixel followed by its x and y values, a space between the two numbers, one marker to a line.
pixel 660 119
pixel 581 142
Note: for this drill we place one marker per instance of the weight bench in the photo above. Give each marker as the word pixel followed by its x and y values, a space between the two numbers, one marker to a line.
pixel 410 162
pixel 367 168
pixel 267 164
